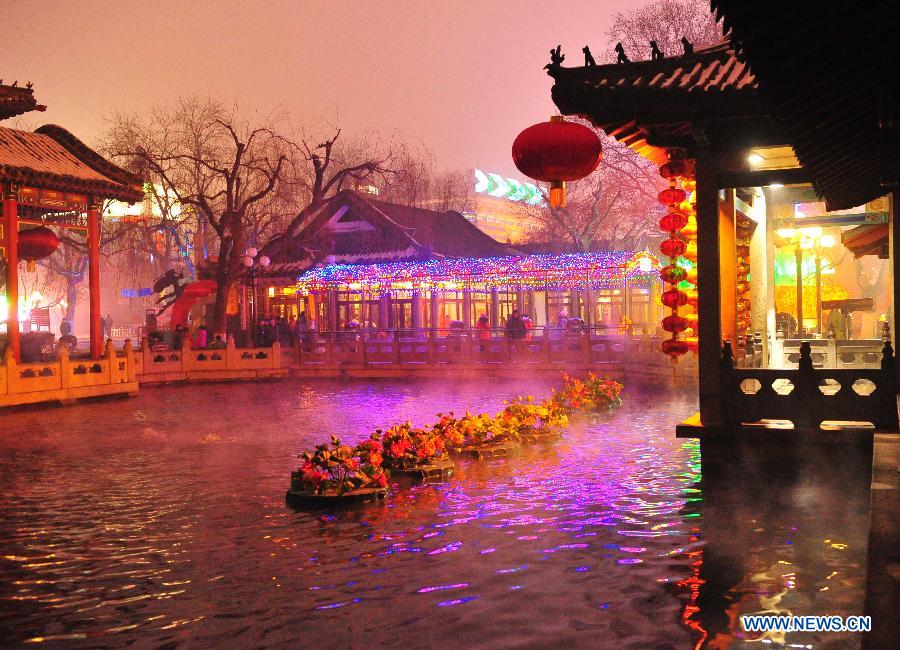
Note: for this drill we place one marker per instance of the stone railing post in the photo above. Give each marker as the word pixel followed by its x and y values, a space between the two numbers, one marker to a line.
pixel 730 386
pixel 5 369
pixel 186 360
pixel 65 368
pixel 12 373
pixel 397 347
pixel 112 369
pixel 887 420
pixel 130 373
pixel 276 354
pixel 806 392
pixel 146 355
pixel 231 358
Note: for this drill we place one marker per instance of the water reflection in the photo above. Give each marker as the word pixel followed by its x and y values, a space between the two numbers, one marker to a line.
pixel 166 524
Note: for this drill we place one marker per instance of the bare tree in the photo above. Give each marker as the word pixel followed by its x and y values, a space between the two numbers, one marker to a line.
pixel 247 183
pixel 221 166
pixel 416 181
pixel 666 22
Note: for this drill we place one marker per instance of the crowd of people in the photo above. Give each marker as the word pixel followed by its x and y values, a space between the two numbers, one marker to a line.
pixel 288 331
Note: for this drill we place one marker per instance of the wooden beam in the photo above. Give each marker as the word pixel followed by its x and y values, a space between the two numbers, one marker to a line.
pixel 762 177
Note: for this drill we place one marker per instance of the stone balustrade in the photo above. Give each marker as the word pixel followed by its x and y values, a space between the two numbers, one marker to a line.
pixel 808 396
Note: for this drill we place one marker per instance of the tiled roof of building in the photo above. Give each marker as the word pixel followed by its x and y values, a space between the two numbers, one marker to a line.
pixel 447 234
pixel 650 105
pixel 16 101
pixel 710 69
pixel 52 158
pixel 391 232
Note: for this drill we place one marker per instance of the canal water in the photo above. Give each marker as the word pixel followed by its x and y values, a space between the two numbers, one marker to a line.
pixel 161 520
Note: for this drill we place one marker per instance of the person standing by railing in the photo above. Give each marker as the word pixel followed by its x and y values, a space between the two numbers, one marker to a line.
pixel 483 327
pixel 515 328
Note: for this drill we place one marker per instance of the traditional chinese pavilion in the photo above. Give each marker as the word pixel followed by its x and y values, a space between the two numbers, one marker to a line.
pixel 758 132
pixel 49 178
pixel 390 266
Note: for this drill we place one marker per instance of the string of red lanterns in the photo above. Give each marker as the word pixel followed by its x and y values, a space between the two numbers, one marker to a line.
pixel 681 225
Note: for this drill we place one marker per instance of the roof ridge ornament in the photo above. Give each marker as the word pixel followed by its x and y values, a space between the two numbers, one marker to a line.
pixel 620 51
pixel 656 53
pixel 556 60
pixel 688 46
pixel 588 57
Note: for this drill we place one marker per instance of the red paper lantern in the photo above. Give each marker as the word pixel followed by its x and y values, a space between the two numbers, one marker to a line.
pixel 555 152
pixel 674 348
pixel 672 247
pixel 673 298
pixel 674 324
pixel 671 196
pixel 36 244
pixel 673 222
pixel 673 169
pixel 672 274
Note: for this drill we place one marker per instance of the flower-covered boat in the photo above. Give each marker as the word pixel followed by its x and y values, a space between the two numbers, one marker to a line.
pixel 336 473
pixel 415 453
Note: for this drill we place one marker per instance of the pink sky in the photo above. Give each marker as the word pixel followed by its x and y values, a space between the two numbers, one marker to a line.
pixel 461 77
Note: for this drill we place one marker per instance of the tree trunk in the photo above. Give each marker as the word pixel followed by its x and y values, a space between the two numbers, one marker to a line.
pixel 71 299
pixel 223 288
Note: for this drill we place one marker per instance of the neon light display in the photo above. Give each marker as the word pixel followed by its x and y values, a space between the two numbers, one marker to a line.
pixel 562 272
pixel 507 188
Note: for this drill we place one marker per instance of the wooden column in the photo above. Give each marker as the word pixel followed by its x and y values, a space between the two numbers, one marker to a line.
pixel 93 222
pixel 894 243
pixel 495 309
pixel 433 309
pixel 708 289
pixel 10 225
pixel 416 311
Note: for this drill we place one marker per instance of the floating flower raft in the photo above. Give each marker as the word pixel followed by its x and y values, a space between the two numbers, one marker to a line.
pixel 335 473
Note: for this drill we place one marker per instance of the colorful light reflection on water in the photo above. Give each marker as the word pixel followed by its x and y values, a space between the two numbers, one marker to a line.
pixel 167 524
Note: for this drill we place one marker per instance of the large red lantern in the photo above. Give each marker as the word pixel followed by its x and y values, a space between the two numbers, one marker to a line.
pixel 36 244
pixel 555 152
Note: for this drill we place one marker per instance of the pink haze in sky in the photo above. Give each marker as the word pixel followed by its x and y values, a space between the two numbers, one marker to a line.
pixel 460 77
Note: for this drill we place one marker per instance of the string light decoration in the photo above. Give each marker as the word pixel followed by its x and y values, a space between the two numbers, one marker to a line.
pixel 674 247
pixel 601 270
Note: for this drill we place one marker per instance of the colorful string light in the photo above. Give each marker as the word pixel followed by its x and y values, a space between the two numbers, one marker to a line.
pixel 602 270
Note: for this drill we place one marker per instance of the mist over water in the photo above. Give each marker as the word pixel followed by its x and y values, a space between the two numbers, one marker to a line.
pixel 161 519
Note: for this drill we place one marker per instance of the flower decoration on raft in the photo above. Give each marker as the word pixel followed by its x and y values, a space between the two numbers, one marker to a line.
pixel 405 446
pixel 593 394
pixel 681 249
pixel 336 468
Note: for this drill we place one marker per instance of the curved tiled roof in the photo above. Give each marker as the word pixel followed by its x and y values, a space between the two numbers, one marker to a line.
pixel 52 158
pixel 650 105
pixel 16 101
pixel 711 69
